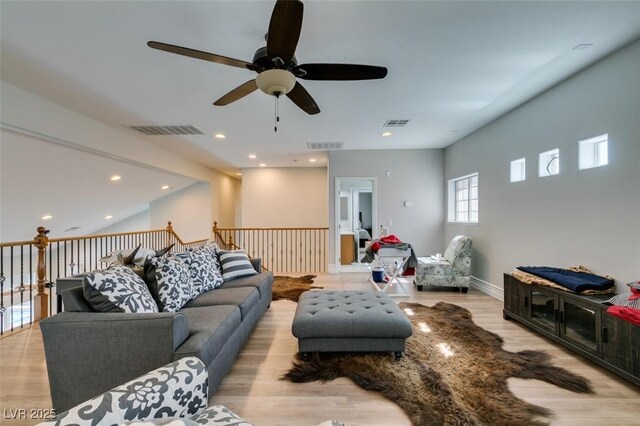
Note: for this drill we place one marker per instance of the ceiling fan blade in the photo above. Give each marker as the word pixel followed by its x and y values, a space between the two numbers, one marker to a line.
pixel 237 93
pixel 284 29
pixel 198 54
pixel 339 72
pixel 303 99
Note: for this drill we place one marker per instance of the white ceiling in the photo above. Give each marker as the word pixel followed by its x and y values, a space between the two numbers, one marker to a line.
pixel 453 67
pixel 75 189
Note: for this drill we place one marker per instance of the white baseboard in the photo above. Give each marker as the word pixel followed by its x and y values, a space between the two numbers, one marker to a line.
pixel 488 288
pixel 333 268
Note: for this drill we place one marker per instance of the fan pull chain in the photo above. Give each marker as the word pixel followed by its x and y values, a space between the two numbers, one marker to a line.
pixel 277 113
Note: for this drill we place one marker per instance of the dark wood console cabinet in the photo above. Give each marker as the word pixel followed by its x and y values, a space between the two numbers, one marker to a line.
pixel 580 323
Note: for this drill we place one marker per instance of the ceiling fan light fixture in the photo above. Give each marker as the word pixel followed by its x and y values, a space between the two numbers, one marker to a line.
pixel 276 82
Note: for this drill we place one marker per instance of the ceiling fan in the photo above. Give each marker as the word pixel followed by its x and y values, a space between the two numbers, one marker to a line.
pixel 276 63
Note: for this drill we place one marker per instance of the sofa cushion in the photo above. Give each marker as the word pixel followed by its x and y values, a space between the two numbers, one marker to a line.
pixel 219 415
pixel 169 282
pixel 262 282
pixel 235 264
pixel 117 289
pixel 202 266
pixel 210 328
pixel 243 297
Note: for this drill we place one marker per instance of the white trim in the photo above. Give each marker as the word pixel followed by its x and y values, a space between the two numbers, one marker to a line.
pixel 336 212
pixel 488 288
pixel 76 146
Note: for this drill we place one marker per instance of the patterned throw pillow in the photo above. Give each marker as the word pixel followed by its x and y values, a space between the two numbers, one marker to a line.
pixel 213 249
pixel 202 267
pixel 169 281
pixel 235 264
pixel 117 289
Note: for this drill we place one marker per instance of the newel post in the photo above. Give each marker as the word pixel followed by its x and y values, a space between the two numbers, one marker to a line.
pixel 41 299
pixel 169 233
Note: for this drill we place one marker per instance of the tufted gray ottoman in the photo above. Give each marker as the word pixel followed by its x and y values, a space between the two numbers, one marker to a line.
pixel 349 321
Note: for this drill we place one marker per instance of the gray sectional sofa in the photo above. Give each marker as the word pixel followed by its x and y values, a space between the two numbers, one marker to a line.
pixel 90 352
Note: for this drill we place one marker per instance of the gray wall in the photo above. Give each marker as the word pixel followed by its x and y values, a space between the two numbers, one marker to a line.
pixel 587 217
pixel 364 202
pixel 416 176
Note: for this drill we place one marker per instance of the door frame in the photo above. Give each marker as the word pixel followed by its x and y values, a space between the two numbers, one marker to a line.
pixel 336 213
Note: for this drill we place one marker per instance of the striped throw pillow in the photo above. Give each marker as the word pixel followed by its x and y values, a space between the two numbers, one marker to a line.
pixel 235 264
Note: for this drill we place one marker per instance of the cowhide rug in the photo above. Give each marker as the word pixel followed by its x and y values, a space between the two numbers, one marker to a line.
pixel 291 288
pixel 453 372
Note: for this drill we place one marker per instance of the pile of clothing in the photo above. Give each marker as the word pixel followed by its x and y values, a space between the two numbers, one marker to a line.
pixel 391 241
pixel 627 305
pixel 576 279
pixel 580 280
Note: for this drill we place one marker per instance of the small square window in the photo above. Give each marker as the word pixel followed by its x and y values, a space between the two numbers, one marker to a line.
pixel 518 170
pixel 549 163
pixel 594 152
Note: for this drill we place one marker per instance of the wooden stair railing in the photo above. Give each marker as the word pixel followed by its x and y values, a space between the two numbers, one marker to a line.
pixel 282 250
pixel 60 257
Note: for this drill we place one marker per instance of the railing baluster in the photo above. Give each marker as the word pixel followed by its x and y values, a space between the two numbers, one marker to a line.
pixel 21 289
pixel 2 278
pixel 11 289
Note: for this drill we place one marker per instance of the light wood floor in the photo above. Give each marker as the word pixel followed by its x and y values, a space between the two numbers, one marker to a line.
pixel 254 391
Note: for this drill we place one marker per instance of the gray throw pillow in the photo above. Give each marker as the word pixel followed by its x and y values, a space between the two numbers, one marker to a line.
pixel 169 282
pixel 235 264
pixel 202 268
pixel 117 289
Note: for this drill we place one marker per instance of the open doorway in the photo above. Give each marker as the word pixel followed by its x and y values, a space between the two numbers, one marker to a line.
pixel 355 221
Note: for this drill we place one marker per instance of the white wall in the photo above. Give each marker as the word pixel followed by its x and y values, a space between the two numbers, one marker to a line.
pixel 27 112
pixel 225 200
pixel 587 217
pixel 284 197
pixel 137 222
pixel 189 211
pixel 416 176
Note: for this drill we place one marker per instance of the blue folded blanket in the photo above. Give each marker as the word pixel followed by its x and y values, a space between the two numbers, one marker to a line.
pixel 575 281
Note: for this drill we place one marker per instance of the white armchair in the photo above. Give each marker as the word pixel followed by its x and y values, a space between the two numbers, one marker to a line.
pixel 452 270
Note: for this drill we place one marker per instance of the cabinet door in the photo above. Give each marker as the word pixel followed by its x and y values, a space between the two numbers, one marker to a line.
pixel 514 297
pixel 617 349
pixel 542 308
pixel 580 323
pixel 634 343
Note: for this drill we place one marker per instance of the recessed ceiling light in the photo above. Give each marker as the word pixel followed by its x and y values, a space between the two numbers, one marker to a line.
pixel 219 136
pixel 252 156
pixel 108 217
pixel 115 178
pixel 46 217
pixel 386 134
pixel 263 165
pixel 238 174
pixel 312 160
pixel 165 187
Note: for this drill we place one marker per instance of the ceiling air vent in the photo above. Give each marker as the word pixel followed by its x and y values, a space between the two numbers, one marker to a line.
pixel 324 146
pixel 187 129
pixel 395 123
